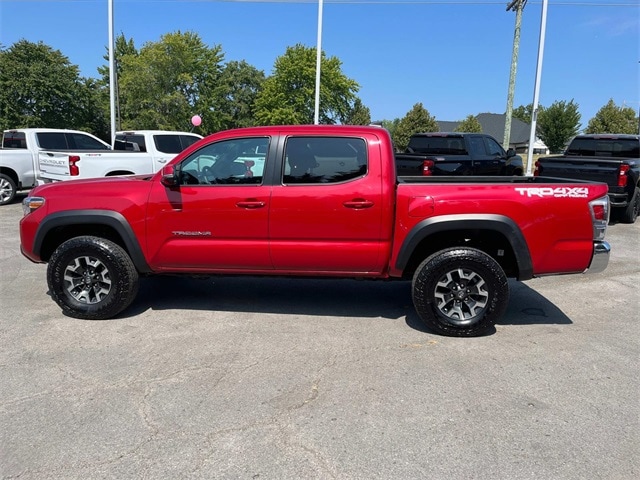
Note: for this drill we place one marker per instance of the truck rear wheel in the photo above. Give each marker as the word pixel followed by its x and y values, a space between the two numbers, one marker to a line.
pixel 460 292
pixel 8 189
pixel 92 278
pixel 630 213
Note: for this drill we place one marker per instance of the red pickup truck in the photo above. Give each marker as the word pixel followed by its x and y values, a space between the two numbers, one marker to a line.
pixel 313 201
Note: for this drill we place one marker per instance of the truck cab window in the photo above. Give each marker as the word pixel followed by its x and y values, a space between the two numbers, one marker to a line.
pixel 494 148
pixel 323 160
pixel 229 162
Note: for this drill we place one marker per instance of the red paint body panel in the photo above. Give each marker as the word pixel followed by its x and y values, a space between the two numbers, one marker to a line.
pixel 354 228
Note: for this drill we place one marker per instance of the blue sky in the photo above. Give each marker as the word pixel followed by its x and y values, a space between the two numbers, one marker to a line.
pixel 453 56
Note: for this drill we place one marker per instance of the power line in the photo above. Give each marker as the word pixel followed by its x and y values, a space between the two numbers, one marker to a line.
pixel 597 3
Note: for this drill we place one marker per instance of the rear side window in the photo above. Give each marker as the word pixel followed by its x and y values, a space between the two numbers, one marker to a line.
pixel 52 141
pixel 68 141
pixel 173 143
pixel 324 159
pixel 14 140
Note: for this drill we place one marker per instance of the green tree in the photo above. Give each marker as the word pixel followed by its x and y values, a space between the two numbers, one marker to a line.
pixel 122 48
pixel 469 124
pixel 614 119
pixel 240 84
pixel 288 96
pixel 39 87
pixel 523 112
pixel 358 115
pixel 169 81
pixel 418 119
pixel 557 124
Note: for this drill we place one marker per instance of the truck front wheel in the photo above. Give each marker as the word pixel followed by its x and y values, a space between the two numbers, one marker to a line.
pixel 460 292
pixel 92 278
pixel 8 189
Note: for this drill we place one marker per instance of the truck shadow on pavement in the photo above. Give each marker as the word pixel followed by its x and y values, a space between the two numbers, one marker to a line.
pixel 318 297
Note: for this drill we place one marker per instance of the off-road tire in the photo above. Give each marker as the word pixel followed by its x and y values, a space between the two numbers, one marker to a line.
pixel 91 278
pixel 460 292
pixel 8 189
pixel 630 212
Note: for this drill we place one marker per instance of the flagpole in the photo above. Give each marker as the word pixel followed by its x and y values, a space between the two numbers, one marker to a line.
pixel 316 115
pixel 112 74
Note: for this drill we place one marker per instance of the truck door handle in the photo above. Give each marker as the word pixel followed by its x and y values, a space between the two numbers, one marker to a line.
pixel 358 203
pixel 250 204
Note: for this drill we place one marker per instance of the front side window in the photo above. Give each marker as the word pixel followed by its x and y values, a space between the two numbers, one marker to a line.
pixel 324 159
pixel 494 148
pixel 239 161
pixel 85 142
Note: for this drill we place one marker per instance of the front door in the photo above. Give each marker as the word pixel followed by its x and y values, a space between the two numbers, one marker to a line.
pixel 216 219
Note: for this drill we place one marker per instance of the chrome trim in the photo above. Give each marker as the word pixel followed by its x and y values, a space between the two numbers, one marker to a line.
pixel 600 258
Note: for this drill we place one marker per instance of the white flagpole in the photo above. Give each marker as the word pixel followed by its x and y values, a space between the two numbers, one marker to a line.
pixel 536 89
pixel 316 115
pixel 112 75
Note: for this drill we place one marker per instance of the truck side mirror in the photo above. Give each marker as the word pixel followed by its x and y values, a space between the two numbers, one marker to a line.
pixel 170 176
pixel 511 152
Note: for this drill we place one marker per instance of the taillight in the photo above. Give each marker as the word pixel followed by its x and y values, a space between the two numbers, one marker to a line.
pixel 74 171
pixel 623 178
pixel 536 169
pixel 427 168
pixel 599 216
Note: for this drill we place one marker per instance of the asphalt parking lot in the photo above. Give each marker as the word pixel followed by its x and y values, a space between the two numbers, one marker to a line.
pixel 240 378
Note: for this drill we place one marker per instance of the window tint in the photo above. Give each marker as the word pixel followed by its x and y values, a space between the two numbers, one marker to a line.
pixel 173 143
pixel 229 162
pixel 324 159
pixel 444 145
pixel 589 147
pixel 52 141
pixel 493 147
pixel 85 142
pixel 14 140
pixel 476 144
pixel 130 143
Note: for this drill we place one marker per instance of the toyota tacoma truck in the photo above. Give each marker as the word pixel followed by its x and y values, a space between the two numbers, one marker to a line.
pixel 454 153
pixel 313 201
pixel 613 159
pixel 20 150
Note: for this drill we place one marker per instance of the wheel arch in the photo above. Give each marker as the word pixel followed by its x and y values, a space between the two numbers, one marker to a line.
pixel 61 226
pixel 496 235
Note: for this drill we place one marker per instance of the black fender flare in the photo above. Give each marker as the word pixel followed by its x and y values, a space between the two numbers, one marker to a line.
pixel 498 223
pixel 109 218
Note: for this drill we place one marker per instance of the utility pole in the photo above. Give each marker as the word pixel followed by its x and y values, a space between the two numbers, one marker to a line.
pixel 517 6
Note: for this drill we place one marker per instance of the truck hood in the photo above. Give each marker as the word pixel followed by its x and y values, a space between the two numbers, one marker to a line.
pixel 111 193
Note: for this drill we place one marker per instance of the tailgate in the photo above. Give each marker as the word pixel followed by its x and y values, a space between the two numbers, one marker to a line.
pixel 54 165
pixel 578 168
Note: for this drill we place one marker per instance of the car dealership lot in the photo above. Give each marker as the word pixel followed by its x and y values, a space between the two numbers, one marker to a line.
pixel 280 378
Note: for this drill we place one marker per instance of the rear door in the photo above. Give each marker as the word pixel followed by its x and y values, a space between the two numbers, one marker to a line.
pixel 327 215
pixel 492 160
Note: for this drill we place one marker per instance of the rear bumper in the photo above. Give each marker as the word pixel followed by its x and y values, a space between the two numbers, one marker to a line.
pixel 600 259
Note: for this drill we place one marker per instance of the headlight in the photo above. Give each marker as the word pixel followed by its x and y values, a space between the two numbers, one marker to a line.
pixel 31 204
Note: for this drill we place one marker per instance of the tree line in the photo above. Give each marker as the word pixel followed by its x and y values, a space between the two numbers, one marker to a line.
pixel 163 84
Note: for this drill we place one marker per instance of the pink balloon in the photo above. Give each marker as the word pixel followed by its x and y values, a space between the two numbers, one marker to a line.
pixel 196 120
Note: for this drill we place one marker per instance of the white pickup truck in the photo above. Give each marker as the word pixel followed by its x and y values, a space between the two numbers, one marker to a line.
pixel 20 150
pixel 134 153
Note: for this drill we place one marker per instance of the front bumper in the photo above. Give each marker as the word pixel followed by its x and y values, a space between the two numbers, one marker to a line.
pixel 600 258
